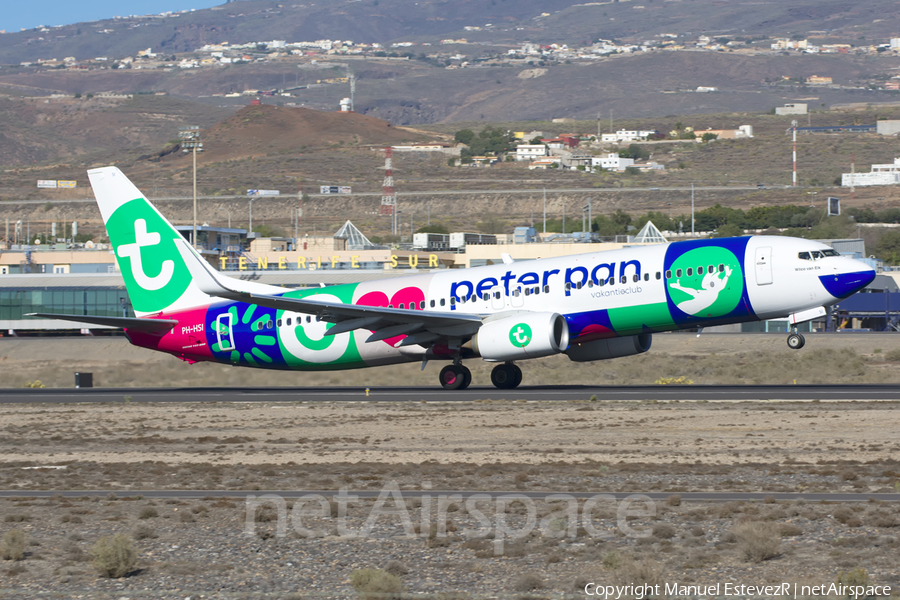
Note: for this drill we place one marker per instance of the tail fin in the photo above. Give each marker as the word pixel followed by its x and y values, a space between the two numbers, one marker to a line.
pixel 145 246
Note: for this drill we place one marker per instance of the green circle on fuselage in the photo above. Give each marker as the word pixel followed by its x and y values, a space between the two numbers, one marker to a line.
pixel 706 293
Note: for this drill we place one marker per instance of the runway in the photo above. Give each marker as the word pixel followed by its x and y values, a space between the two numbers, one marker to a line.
pixel 463 494
pixel 710 393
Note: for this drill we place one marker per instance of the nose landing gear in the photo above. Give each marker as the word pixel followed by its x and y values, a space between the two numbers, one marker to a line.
pixel 506 376
pixel 795 340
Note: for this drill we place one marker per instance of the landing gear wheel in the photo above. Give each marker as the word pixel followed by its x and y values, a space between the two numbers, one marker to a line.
pixel 796 341
pixel 453 377
pixel 518 379
pixel 467 377
pixel 506 376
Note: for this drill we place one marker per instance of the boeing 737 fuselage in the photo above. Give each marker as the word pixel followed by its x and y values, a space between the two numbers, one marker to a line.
pixel 588 306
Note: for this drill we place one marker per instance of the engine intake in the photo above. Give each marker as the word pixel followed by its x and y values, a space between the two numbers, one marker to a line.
pixel 528 335
pixel 610 348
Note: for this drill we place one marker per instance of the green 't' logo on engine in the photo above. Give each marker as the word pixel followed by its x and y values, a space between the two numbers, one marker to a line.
pixel 520 335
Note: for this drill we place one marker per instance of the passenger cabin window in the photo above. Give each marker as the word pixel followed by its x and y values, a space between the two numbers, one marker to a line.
pixel 635 278
pixel 443 301
pixel 699 270
pixel 721 268
pixel 668 274
pixel 452 301
pixel 279 322
pixel 496 295
pixel 432 304
pixel 546 289
pixel 658 275
pixel 578 286
pixel 690 271
pixel 677 272
pixel 568 286
pixel 646 276
pixel 422 304
pixel 288 321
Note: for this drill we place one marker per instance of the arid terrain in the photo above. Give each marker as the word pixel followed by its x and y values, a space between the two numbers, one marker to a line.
pixel 511 548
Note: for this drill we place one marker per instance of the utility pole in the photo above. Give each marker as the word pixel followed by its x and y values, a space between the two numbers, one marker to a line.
pixel 794 175
pixel 190 142
pixel 692 209
pixel 545 210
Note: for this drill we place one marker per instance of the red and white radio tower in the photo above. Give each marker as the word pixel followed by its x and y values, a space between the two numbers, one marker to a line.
pixel 388 196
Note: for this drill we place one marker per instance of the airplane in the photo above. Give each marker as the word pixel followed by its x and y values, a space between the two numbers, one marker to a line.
pixel 590 307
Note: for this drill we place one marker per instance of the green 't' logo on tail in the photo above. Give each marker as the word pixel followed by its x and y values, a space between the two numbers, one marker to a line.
pixel 152 267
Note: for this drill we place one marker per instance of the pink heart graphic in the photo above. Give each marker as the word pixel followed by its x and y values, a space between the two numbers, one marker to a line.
pixel 410 298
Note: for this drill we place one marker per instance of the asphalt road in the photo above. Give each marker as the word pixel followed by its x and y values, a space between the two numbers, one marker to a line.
pixel 885 392
pixel 464 494
pixel 591 190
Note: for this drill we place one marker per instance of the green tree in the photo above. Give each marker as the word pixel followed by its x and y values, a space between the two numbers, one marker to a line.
pixel 708 137
pixel 729 230
pixel 464 136
pixel 433 228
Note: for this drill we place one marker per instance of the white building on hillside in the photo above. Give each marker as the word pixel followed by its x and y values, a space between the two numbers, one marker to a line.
pixel 531 151
pixel 625 135
pixel 888 174
pixel 611 162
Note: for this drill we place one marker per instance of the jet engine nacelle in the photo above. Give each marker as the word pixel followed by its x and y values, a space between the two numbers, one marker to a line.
pixel 525 335
pixel 610 348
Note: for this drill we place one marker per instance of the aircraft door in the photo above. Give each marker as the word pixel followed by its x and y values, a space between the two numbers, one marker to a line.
pixel 764 266
pixel 498 302
pixel 517 298
pixel 223 332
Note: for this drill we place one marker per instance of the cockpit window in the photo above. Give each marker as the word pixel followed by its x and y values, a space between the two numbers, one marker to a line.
pixel 804 256
pixel 817 254
pixel 831 252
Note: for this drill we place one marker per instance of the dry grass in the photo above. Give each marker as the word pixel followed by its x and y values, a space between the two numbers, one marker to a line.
pixel 12 545
pixel 710 359
pixel 115 556
pixel 758 540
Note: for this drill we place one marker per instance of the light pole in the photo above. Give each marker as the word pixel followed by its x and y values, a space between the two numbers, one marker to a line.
pixel 190 142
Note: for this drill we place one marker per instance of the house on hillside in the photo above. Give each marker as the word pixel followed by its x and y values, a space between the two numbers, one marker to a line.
pixel 531 151
pixel 611 162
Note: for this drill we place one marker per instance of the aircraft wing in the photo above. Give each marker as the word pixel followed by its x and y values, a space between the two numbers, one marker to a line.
pixel 421 326
pixel 148 325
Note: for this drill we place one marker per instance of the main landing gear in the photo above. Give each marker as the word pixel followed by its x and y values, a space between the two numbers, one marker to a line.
pixel 506 376
pixel 795 340
pixel 455 377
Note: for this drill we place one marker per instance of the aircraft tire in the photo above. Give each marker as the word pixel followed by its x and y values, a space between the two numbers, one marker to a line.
pixel 795 341
pixel 452 377
pixel 518 379
pixel 503 377
pixel 467 377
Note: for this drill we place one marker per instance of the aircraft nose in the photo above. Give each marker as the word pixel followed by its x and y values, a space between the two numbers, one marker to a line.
pixel 847 282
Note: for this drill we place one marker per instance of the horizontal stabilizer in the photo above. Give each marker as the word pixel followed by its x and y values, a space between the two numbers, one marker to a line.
pixel 146 325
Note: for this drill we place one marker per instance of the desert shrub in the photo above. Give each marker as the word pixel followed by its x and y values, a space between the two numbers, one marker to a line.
pixel 854 577
pixel 12 545
pixel 148 513
pixel 674 500
pixel 144 532
pixel 843 515
pixel 663 531
pixel 638 572
pixel 16 518
pixel 114 556
pixel 528 582
pixel 375 584
pixel 395 567
pixel 758 540
pixel 790 530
